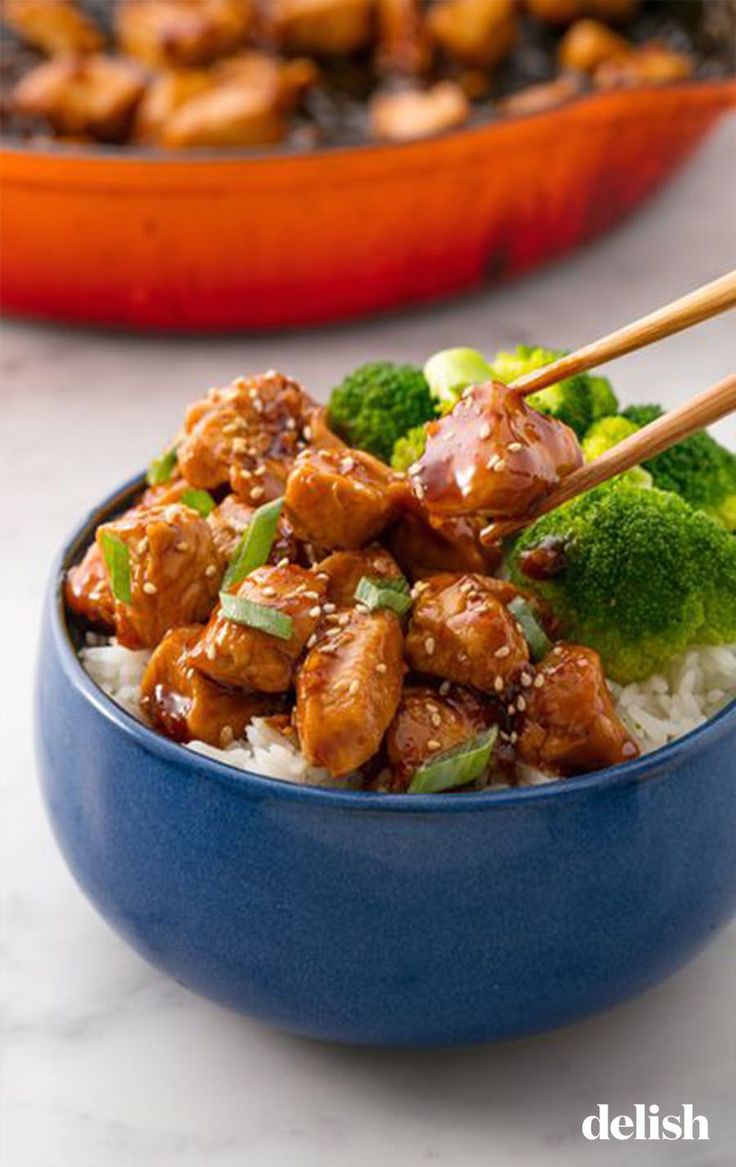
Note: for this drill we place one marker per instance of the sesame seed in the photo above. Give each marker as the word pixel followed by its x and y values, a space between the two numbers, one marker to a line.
pixel 498 684
pixel 240 446
pixel 312 640
pixel 269 591
pixel 181 546
pixel 210 570
pixel 311 595
pixel 232 427
pixel 492 461
pixel 526 680
pixel 347 465
pixel 514 446
pixel 511 709
pixel 521 703
pixel 444 688
pixel 284 562
pixel 291 423
pixel 343 621
pixel 381 668
pixel 257 404
pixel 307 433
pixel 429 645
pixel 433 744
pixel 150 588
pixel 257 492
pixel 484 431
pixel 227 735
pixel 415 468
pixel 210 651
pixel 419 490
pixel 171 514
pixel 315 611
pixel 514 738
pixel 353 688
pixel 142 546
pixel 323 576
pixel 500 465
pixel 259 471
pixel 329 607
pixel 503 651
pixel 538 681
pixel 436 720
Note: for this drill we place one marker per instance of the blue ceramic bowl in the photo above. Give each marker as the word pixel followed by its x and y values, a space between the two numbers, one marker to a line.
pixel 394 920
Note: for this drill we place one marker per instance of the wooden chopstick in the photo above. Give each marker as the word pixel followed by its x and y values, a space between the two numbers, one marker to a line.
pixel 712 298
pixel 700 411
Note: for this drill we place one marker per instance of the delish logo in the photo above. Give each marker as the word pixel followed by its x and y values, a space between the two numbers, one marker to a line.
pixel 647 1124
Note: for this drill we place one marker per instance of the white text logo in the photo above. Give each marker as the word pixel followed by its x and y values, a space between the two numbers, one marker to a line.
pixel 647 1124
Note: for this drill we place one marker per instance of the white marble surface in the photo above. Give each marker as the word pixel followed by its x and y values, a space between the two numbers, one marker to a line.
pixel 105 1063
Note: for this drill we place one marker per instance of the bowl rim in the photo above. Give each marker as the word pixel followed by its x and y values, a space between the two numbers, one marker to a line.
pixel 249 782
pixel 51 148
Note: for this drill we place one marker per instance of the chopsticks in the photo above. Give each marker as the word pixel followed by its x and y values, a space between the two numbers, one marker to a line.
pixel 713 298
pixel 702 410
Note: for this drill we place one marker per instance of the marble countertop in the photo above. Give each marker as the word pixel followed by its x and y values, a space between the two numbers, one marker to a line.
pixel 105 1063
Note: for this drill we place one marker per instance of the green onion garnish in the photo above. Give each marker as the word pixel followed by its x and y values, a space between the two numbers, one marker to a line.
pixel 162 469
pixel 117 559
pixel 265 619
pixel 452 370
pixel 255 543
pixel 537 639
pixel 384 593
pixel 199 500
pixel 457 767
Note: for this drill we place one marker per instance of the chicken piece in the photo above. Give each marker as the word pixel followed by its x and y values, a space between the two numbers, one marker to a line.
pixel 403 41
pixel 175 571
pixel 345 569
pixel 570 724
pixel 428 724
pixel 249 431
pixel 164 493
pixel 348 690
pixel 650 64
pixel 588 43
pixel 424 544
pixel 185 705
pixel 236 654
pixel 340 499
pixel 245 106
pixel 474 32
pixel 92 95
pixel 320 27
pixel 461 630
pixel 410 114
pixel 493 454
pixel 232 518
pixel 175 33
pixel 539 98
pixel 54 27
pixel 165 95
pixel 87 590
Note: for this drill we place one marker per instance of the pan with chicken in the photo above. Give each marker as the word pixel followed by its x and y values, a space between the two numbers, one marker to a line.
pixel 288 590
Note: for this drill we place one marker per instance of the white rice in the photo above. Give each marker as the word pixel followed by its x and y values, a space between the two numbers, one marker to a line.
pixel 656 711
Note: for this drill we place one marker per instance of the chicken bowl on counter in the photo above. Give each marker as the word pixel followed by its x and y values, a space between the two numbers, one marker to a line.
pixel 322 752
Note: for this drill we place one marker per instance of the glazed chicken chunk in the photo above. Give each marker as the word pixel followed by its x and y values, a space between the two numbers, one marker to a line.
pixel 231 519
pixel 322 27
pixel 493 454
pixel 414 113
pixel 174 568
pixel 476 32
pixel 247 434
pixel 240 655
pixel 570 724
pixel 87 590
pixel 424 543
pixel 348 690
pixel 93 95
pixel 461 630
pixel 53 26
pixel 165 33
pixel 340 499
pixel 345 569
pixel 427 724
pixel 186 705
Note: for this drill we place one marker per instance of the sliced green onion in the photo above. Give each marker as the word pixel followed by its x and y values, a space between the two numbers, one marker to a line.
pixel 117 559
pixel 384 593
pixel 457 767
pixel 199 500
pixel 162 469
pixel 537 639
pixel 265 619
pixel 255 543
pixel 452 370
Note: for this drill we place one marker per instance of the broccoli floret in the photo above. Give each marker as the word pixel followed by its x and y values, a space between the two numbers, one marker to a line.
pixel 646 577
pixel 450 371
pixel 608 432
pixel 578 401
pixel 409 448
pixel 698 469
pixel 379 403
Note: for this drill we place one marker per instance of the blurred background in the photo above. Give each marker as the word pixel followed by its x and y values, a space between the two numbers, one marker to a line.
pixel 335 198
